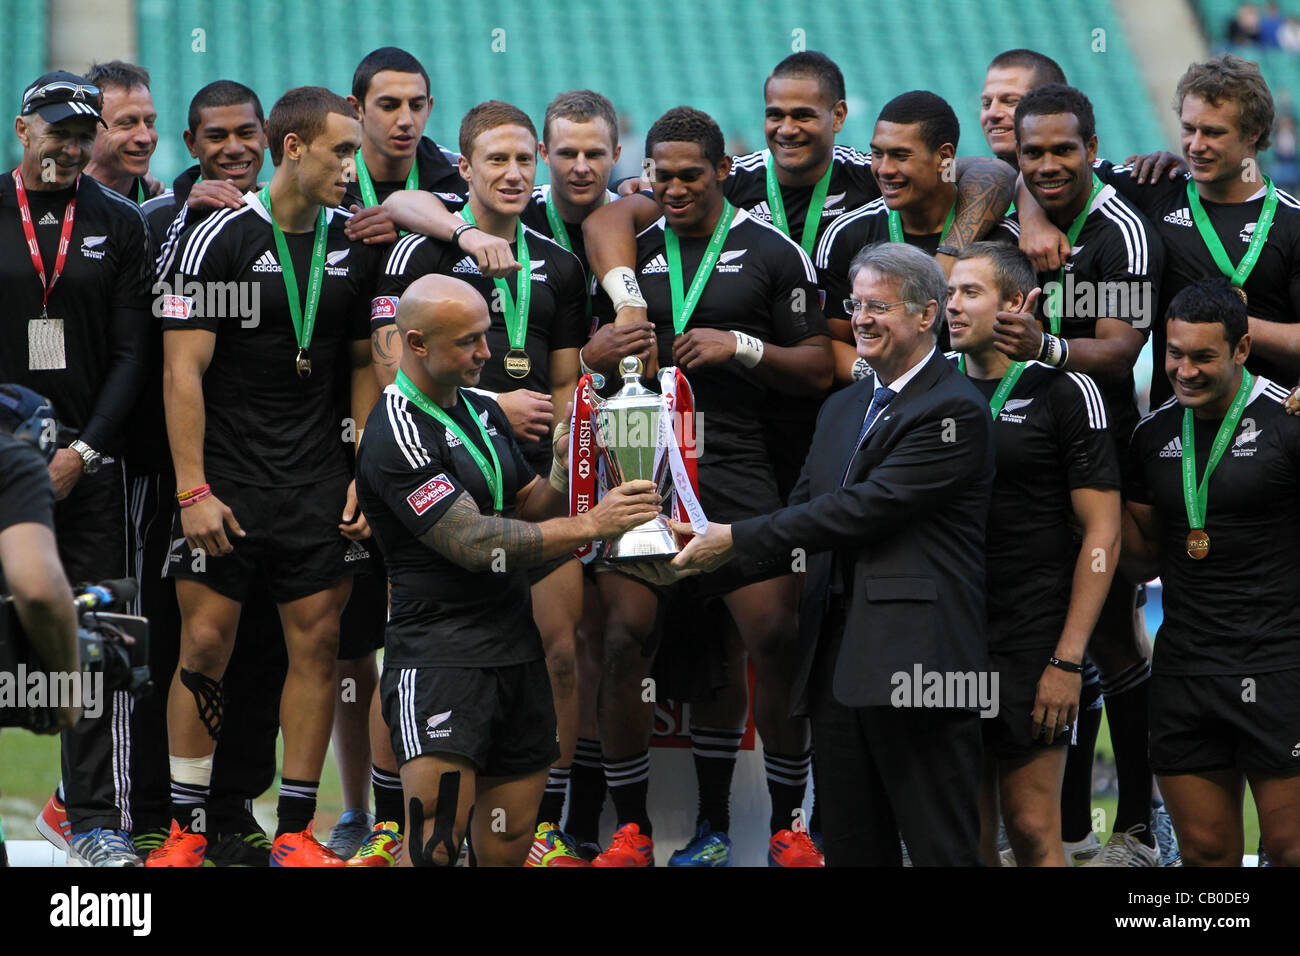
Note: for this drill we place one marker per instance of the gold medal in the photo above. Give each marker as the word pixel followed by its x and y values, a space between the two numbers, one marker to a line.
pixel 303 364
pixel 518 364
pixel 1198 544
pixel 1241 294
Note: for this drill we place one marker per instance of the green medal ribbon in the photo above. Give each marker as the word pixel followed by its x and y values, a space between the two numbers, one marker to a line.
pixel 1052 304
pixel 1237 276
pixel 561 233
pixel 491 474
pixel 368 195
pixel 1195 495
pixel 816 204
pixel 140 197
pixel 683 306
pixel 1004 387
pixel 514 306
pixel 896 225
pixel 303 324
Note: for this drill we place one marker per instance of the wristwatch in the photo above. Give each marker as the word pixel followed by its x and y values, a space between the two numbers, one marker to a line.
pixel 91 460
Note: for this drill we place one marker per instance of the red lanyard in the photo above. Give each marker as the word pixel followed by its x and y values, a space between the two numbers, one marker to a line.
pixel 29 230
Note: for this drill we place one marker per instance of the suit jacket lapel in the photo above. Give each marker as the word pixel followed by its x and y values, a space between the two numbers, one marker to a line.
pixel 854 415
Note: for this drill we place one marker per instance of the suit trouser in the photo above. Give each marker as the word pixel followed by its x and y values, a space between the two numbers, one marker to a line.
pixel 244 765
pixel 885 771
pixel 91 529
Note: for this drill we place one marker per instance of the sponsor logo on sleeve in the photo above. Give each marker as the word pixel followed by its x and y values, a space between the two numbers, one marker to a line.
pixel 430 493
pixel 176 307
pixel 383 307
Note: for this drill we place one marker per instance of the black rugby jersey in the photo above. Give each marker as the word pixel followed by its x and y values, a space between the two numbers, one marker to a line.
pixel 1114 272
pixel 762 285
pixel 845 238
pixel 534 217
pixel 1051 438
pixel 437 172
pixel 1273 287
pixel 410 470
pixel 851 186
pixel 1235 610
pixel 265 424
pixel 555 309
pixel 102 299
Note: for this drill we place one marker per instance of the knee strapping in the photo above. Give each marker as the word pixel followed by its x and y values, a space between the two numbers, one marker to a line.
pixel 444 824
pixel 208 699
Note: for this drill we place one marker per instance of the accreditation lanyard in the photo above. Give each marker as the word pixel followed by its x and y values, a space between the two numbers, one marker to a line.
pixel 896 225
pixel 684 305
pixel 1052 304
pixel 368 196
pixel 776 205
pixel 304 319
pixel 29 230
pixel 1237 276
pixel 1195 495
pixel 561 233
pixel 491 473
pixel 514 306
pixel 1004 387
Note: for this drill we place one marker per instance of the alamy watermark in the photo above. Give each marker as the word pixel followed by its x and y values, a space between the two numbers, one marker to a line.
pixel 966 690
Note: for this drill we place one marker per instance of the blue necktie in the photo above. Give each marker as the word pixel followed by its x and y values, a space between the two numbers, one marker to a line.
pixel 881 398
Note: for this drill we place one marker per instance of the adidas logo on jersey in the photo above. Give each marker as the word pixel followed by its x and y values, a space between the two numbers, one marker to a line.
pixel 266 263
pixel 1173 450
pixel 466 266
pixel 1180 217
pixel 90 247
pixel 356 552
pixel 657 265
pixel 726 258
pixel 434 725
pixel 761 211
pixel 47 220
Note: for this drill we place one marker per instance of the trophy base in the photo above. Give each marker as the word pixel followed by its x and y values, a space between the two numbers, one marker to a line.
pixel 652 541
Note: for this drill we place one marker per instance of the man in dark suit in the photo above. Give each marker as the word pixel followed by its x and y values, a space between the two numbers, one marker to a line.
pixel 890 513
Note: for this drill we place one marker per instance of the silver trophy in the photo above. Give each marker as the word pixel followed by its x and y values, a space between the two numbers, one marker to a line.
pixel 628 433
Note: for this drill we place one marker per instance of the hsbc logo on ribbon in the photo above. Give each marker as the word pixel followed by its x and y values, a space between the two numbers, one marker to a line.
pixel 430 493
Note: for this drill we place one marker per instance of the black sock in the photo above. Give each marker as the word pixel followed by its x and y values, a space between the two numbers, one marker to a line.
pixel 388 796
pixel 1076 787
pixel 296 806
pixel 1126 712
pixel 787 781
pixel 714 750
pixel 190 806
pixel 628 780
pixel 551 809
pixel 586 792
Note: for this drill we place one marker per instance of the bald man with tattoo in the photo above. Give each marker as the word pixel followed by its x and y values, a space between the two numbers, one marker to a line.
pixel 460 516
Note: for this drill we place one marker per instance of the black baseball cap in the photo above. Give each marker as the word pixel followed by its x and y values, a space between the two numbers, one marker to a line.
pixel 58 95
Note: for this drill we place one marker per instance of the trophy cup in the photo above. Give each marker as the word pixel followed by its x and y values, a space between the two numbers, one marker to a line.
pixel 629 435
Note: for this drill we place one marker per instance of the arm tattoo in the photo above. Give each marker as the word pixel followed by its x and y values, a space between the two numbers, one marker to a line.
pixel 386 346
pixel 471 539
pixel 985 189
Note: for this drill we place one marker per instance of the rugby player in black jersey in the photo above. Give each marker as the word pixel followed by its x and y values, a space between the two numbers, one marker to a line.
pixel 1210 481
pixel 122 152
pixel 757 330
pixel 1094 317
pixel 259 454
pixel 465 687
pixel 1056 464
pixel 912 147
pixel 76 276
pixel 537 330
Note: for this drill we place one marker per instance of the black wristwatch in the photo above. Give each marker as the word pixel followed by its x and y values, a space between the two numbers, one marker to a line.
pixel 91 460
pixel 1070 666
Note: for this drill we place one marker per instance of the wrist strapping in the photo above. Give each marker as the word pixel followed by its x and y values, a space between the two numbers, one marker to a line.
pixel 749 350
pixel 621 286
pixel 1054 351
